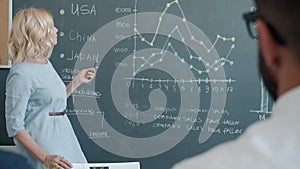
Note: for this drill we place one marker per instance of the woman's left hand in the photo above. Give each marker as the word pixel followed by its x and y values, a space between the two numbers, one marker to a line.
pixel 86 75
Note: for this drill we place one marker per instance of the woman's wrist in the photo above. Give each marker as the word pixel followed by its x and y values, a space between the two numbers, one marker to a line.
pixel 45 160
pixel 76 81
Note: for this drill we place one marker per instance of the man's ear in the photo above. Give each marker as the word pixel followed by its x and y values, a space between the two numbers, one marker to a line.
pixel 268 45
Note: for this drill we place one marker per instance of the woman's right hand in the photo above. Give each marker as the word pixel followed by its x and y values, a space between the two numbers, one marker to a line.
pixel 56 162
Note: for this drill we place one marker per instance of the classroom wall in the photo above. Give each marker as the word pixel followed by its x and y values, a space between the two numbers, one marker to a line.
pixel 4 18
pixel 4 28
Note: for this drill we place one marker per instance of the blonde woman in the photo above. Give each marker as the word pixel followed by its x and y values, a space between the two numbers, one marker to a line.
pixel 36 96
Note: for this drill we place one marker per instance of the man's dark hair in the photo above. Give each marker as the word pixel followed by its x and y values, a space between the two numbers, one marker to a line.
pixel 284 16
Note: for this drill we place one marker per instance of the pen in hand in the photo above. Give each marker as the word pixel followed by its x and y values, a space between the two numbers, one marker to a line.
pixel 96 65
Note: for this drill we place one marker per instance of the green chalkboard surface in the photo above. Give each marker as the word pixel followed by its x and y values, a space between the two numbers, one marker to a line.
pixel 175 77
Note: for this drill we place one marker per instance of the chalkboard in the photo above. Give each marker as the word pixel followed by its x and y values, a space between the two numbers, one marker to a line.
pixel 4 140
pixel 175 77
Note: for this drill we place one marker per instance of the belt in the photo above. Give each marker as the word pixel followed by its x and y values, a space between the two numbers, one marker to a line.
pixel 57 113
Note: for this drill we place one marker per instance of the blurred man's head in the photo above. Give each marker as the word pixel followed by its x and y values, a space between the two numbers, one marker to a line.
pixel 284 16
pixel 279 41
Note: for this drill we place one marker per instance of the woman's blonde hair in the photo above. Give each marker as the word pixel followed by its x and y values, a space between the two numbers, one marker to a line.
pixel 30 35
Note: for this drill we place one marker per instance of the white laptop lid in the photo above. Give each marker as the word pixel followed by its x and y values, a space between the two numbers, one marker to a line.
pixel 123 165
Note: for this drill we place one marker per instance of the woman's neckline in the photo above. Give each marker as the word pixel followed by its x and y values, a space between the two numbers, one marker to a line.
pixel 39 61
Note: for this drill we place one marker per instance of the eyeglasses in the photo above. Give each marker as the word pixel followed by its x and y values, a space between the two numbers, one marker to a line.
pixel 251 17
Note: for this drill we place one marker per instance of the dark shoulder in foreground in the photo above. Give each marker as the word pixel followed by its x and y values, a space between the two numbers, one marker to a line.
pixel 10 160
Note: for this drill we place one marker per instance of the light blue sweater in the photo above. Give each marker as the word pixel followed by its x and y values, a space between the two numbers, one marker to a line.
pixel 32 91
